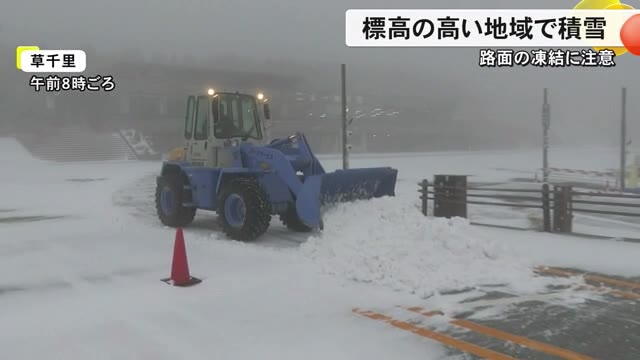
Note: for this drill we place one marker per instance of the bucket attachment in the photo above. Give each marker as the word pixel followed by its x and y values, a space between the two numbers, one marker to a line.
pixel 342 186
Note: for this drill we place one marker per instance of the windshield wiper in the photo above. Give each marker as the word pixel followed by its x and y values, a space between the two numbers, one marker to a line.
pixel 247 134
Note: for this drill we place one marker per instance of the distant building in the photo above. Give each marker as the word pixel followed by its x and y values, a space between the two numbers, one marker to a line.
pixel 151 99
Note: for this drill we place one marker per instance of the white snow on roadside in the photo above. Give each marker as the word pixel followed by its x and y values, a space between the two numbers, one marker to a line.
pixel 86 286
pixel 604 256
pixel 387 242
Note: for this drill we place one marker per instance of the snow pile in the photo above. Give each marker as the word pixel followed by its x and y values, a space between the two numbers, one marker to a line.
pixel 387 242
pixel 140 143
pixel 14 153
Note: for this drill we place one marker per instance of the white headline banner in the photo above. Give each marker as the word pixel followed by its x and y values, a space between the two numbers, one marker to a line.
pixel 485 28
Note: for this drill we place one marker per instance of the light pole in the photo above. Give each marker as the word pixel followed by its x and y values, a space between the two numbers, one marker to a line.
pixel 623 141
pixel 345 150
pixel 546 123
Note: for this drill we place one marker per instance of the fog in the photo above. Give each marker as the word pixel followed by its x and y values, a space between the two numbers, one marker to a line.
pixel 303 37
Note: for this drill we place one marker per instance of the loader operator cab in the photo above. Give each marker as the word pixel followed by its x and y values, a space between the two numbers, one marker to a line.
pixel 235 116
pixel 219 120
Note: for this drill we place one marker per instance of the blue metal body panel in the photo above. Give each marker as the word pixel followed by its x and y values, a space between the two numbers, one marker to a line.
pixel 266 159
pixel 227 173
pixel 308 201
pixel 203 182
pixel 276 189
pixel 277 167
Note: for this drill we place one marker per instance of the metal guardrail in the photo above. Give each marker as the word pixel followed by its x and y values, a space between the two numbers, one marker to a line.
pixel 451 196
pixel 607 180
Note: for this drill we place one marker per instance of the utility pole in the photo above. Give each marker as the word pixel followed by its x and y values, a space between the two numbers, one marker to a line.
pixel 546 122
pixel 623 141
pixel 345 150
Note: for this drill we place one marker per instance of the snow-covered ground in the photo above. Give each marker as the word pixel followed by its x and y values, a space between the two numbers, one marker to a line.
pixel 82 255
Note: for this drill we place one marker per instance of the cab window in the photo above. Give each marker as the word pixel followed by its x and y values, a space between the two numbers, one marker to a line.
pixel 238 117
pixel 202 119
pixel 188 121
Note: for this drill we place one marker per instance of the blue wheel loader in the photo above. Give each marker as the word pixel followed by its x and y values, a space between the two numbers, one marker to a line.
pixel 228 166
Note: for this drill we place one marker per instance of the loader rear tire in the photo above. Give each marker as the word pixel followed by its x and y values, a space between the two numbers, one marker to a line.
pixel 291 220
pixel 170 195
pixel 244 212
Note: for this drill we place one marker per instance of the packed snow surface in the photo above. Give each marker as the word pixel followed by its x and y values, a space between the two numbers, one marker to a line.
pixel 387 242
pixel 82 254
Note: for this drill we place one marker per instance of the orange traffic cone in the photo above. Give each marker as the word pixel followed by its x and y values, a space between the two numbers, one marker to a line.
pixel 180 266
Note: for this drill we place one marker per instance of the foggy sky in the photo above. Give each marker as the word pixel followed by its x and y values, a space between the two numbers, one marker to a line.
pixel 585 102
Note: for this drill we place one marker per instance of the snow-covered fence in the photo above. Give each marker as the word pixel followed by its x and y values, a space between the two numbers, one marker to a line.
pixel 450 196
pixel 139 144
pixel 606 180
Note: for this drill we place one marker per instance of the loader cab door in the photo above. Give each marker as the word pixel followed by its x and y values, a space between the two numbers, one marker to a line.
pixel 188 125
pixel 197 153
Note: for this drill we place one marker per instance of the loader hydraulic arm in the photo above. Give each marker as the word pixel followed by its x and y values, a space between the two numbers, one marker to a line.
pixel 302 156
pixel 279 142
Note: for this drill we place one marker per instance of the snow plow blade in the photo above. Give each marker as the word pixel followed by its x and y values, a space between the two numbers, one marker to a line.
pixel 342 186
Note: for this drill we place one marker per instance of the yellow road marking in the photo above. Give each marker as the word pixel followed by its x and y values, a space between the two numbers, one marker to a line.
pixel 433 335
pixel 503 335
pixel 630 295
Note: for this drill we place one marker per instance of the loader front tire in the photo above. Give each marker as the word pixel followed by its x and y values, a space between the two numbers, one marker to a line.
pixel 170 197
pixel 244 212
pixel 291 220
